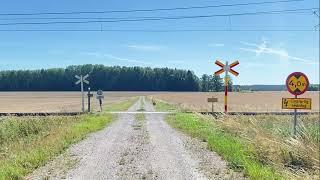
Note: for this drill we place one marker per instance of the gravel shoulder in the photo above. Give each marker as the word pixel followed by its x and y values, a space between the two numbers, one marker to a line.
pixel 147 148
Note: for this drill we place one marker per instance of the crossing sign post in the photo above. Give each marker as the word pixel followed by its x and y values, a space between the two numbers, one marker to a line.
pixel 226 68
pixel 81 80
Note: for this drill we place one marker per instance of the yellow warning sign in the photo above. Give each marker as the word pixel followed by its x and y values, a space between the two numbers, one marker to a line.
pixel 296 103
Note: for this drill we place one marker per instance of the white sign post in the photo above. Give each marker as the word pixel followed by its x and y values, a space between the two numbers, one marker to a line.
pixel 81 80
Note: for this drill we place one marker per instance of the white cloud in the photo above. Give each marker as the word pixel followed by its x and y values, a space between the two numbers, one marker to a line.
pixel 110 56
pixel 216 45
pixel 126 59
pixel 283 54
pixel 146 47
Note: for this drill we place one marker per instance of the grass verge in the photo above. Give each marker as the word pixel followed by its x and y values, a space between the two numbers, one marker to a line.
pixel 240 156
pixel 27 143
pixel 123 106
pixel 268 138
pixel 164 106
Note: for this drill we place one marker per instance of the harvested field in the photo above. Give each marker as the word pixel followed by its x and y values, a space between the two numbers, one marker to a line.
pixel 12 102
pixel 237 101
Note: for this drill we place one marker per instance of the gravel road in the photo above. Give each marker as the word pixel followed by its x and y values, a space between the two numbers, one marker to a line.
pixel 137 148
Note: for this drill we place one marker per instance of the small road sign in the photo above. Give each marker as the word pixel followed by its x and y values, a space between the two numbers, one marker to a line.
pixel 81 80
pixel 297 83
pixel 296 103
pixel 100 96
pixel 212 99
pixel 226 68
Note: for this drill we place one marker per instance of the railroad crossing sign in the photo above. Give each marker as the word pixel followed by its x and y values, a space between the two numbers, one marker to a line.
pixel 296 103
pixel 81 80
pixel 226 68
pixel 100 96
pixel 297 83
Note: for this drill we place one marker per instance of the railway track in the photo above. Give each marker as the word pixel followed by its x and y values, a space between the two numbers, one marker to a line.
pixel 205 113
pixel 42 114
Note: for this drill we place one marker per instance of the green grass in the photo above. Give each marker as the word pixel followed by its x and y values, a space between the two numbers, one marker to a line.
pixel 239 154
pixel 27 143
pixel 165 107
pixel 123 106
pixel 140 117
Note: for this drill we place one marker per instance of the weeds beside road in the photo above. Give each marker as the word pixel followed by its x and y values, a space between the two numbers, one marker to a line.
pixel 27 143
pixel 260 146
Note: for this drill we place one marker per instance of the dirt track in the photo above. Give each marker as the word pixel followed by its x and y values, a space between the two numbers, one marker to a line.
pixel 137 149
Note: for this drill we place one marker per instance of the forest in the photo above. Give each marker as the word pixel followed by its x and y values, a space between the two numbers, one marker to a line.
pixel 109 78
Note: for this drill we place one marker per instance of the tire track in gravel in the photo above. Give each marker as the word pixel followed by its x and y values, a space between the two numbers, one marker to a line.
pixel 117 152
pixel 177 156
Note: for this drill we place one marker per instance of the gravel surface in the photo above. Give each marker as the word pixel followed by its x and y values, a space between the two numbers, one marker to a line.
pixel 132 148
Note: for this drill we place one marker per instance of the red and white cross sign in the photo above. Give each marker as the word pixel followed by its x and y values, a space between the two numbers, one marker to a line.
pixel 226 68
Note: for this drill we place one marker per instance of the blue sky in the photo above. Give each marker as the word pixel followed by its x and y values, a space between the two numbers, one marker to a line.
pixel 266 57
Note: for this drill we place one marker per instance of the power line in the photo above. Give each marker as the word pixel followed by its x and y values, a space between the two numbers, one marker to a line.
pixel 149 10
pixel 100 18
pixel 160 18
pixel 157 31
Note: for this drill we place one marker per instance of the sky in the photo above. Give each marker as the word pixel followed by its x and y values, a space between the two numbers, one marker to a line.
pixel 266 56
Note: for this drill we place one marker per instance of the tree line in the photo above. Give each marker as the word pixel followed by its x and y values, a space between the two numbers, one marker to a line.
pixel 109 78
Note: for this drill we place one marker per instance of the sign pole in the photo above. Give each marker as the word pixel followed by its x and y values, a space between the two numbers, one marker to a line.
pixel 100 96
pixel 226 89
pixel 295 121
pixel 212 105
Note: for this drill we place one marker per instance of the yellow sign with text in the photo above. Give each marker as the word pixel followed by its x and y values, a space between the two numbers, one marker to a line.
pixel 296 103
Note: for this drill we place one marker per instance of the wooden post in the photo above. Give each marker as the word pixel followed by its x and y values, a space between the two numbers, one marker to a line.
pixel 212 106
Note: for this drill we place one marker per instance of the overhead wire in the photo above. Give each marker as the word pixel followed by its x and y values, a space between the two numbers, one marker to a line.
pixel 149 10
pixel 153 30
pixel 159 18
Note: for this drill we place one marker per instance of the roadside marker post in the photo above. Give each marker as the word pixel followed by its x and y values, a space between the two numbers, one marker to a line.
pixel 89 99
pixel 81 80
pixel 100 96
pixel 297 83
pixel 226 69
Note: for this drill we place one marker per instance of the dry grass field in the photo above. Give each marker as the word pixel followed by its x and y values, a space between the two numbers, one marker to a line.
pixel 11 102
pixel 237 102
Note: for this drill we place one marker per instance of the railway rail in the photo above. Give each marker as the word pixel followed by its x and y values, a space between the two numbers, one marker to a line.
pixel 204 113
